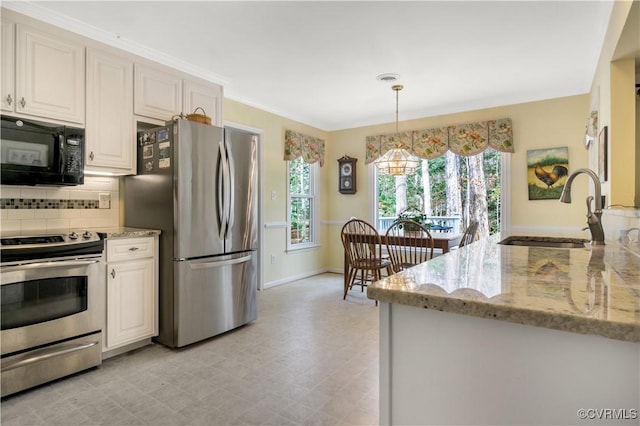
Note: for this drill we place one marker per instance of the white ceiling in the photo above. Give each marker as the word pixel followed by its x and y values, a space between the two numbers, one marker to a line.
pixel 317 62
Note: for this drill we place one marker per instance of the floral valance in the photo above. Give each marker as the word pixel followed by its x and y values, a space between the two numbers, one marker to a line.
pixel 296 145
pixel 462 139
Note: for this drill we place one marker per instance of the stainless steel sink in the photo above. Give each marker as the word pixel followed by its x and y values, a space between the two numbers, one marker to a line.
pixel 550 242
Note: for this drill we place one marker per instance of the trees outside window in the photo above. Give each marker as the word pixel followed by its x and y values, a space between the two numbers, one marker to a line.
pixel 449 185
pixel 302 197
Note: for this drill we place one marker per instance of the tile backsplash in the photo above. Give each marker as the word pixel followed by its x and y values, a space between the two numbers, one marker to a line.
pixel 622 226
pixel 28 208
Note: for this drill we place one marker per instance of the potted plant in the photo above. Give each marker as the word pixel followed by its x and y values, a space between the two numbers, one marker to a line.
pixel 414 215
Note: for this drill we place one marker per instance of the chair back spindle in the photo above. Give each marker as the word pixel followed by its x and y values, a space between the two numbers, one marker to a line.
pixel 408 244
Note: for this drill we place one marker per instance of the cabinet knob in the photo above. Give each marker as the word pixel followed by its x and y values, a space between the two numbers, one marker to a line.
pixel 9 99
pixel 113 273
pixel 91 156
pixel 22 102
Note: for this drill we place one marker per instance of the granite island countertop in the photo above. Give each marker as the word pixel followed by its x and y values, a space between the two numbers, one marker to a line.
pixel 590 290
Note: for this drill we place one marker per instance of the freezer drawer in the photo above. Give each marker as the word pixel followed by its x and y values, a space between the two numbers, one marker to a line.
pixel 214 295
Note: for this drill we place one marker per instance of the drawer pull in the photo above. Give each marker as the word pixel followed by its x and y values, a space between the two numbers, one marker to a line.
pixel 133 249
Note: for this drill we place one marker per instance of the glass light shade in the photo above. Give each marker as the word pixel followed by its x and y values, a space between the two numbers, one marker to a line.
pixel 397 162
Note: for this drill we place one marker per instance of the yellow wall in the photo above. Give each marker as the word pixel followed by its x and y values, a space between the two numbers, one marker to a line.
pixel 544 124
pixel 613 87
pixel 274 178
pixel 622 143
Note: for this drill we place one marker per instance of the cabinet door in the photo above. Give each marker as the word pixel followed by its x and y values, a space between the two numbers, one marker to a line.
pixel 8 81
pixel 109 129
pixel 49 76
pixel 206 96
pixel 157 93
pixel 130 302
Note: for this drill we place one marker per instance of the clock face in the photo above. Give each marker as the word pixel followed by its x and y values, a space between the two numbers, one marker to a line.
pixel 347 175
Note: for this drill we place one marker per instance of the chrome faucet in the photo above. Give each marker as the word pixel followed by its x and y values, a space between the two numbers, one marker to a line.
pixel 594 219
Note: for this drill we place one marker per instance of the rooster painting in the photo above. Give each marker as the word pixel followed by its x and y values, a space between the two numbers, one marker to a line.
pixel 550 178
pixel 547 171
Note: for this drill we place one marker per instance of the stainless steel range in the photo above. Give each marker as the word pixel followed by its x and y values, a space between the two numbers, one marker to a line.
pixel 52 294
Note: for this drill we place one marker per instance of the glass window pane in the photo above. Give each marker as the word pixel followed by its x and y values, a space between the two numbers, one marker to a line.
pixel 301 229
pixel 394 193
pixel 299 177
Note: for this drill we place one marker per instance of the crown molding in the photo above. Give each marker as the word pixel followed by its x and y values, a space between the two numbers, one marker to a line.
pixel 111 39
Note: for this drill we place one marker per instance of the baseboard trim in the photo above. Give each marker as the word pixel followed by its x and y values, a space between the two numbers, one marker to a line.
pixel 292 278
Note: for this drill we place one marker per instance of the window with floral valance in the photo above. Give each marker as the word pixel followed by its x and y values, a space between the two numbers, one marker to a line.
pixel 310 148
pixel 463 139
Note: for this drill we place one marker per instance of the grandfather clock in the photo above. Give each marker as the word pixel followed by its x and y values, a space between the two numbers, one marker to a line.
pixel 347 175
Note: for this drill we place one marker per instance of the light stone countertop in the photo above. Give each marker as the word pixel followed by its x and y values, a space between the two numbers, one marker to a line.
pixel 591 290
pixel 126 232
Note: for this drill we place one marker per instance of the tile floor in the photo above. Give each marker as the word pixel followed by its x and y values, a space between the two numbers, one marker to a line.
pixel 310 359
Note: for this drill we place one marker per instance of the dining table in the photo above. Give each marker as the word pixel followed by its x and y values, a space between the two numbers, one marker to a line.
pixel 441 240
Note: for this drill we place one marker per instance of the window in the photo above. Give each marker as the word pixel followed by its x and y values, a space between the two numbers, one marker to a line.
pixel 396 194
pixel 303 202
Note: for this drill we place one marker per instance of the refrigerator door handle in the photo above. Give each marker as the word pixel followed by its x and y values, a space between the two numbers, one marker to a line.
pixel 223 190
pixel 232 184
pixel 227 189
pixel 220 200
pixel 219 263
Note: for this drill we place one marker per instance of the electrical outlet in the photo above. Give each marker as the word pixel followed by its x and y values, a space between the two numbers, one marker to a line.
pixel 104 200
pixel 274 195
pixel 273 259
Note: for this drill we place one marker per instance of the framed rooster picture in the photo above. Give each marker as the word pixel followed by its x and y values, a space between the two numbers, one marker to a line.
pixel 547 172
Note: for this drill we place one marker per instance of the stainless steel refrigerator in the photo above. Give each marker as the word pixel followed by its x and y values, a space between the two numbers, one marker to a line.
pixel 198 184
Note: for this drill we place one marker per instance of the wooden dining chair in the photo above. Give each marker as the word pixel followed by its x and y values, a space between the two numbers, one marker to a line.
pixel 408 244
pixel 470 234
pixel 363 249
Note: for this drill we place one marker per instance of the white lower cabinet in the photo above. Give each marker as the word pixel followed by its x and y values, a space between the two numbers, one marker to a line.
pixel 132 293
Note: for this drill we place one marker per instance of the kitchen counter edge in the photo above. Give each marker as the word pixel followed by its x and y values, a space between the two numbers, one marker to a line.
pixel 471 303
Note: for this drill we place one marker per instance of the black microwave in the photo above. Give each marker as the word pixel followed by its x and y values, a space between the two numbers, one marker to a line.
pixel 35 153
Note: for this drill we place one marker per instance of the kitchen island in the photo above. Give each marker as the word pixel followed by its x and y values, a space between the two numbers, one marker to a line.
pixel 498 334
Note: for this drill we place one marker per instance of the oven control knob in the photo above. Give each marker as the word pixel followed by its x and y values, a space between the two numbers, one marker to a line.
pixel 73 236
pixel 86 235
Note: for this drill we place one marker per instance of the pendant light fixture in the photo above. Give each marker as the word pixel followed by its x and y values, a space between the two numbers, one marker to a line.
pixel 397 161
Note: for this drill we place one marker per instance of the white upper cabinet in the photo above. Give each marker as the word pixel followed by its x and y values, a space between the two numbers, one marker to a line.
pixel 110 134
pixel 158 93
pixel 207 96
pixel 163 93
pixel 45 75
pixel 8 70
pixel 49 75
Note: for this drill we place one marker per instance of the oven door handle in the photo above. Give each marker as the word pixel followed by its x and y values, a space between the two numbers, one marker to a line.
pixel 37 358
pixel 42 265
